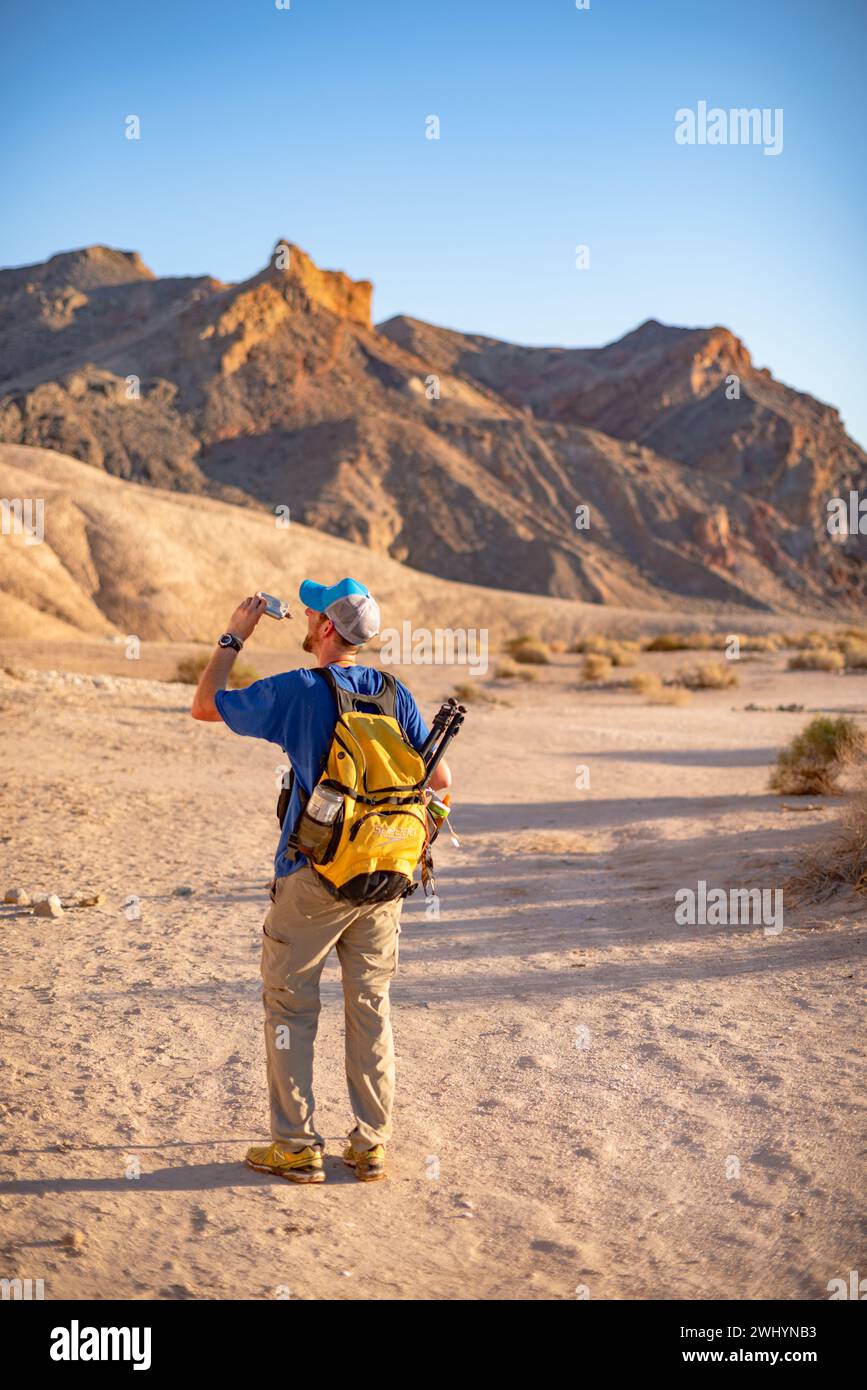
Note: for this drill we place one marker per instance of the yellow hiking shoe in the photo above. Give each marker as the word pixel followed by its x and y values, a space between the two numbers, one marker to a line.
pixel 305 1166
pixel 369 1164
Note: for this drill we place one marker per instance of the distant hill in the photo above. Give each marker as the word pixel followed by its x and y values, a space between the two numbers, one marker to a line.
pixel 462 456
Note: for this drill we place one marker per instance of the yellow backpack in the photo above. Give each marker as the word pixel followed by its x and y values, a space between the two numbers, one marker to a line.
pixel 380 832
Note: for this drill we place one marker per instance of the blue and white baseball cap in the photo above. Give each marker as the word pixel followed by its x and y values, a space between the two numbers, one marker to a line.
pixel 349 604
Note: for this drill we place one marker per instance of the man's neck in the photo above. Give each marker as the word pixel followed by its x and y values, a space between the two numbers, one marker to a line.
pixel 337 659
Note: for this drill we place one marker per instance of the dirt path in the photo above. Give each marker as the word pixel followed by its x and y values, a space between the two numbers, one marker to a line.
pixel 589 1095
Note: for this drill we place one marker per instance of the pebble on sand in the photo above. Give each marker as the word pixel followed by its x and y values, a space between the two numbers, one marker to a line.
pixel 18 896
pixel 49 907
pixel 183 892
pixel 74 1240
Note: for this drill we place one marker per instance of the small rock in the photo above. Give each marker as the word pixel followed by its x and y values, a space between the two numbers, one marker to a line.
pixel 183 892
pixel 49 907
pixel 17 895
pixel 93 900
pixel 74 1240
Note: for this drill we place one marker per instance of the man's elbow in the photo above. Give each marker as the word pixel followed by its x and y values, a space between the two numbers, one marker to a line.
pixel 442 777
pixel 205 710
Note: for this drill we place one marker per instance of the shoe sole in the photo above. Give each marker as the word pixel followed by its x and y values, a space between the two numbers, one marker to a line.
pixel 296 1175
pixel 365 1177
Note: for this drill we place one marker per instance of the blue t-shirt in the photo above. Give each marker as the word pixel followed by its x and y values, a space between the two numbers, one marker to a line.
pixel 296 710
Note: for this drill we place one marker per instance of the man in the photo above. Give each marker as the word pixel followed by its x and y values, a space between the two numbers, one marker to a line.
pixel 297 711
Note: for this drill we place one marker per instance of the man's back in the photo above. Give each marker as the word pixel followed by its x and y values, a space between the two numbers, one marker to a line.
pixel 296 711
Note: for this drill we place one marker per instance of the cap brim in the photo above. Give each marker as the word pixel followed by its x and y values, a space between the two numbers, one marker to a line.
pixel 312 594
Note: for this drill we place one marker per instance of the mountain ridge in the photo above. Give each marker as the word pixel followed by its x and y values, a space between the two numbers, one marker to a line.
pixel 445 450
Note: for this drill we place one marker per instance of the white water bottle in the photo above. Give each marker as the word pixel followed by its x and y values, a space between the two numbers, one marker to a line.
pixel 317 820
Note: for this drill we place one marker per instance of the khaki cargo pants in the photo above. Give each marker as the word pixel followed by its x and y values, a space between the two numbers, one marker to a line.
pixel 303 924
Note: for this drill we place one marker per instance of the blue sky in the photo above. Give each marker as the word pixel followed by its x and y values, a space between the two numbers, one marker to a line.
pixel 556 129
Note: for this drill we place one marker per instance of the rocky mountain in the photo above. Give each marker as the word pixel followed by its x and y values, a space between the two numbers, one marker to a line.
pixel 462 456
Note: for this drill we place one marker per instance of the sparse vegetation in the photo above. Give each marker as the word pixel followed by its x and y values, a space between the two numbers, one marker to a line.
pixel 855 655
pixel 668 695
pixel 189 670
pixel 644 681
pixel 529 651
pixel 812 763
pixel 681 642
pixel 816 659
pixel 647 684
pixel 474 692
pixel 709 675
pixel 840 861
pixel 620 651
pixel 596 667
pixel 762 642
pixel 510 670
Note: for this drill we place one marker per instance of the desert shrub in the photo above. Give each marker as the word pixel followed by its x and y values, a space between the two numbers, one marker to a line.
pixel 840 861
pixel 682 642
pixel 473 692
pixel 647 684
pixel 596 667
pixel 528 651
pixel 558 646
pixel 620 651
pixel 811 764
pixel 668 695
pixel 763 642
pixel 709 675
pixel 510 670
pixel 189 669
pixel 807 641
pixel 855 655
pixel 621 655
pixel 816 659
pixel 644 681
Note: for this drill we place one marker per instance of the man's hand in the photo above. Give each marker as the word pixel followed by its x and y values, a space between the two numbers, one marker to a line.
pixel 245 617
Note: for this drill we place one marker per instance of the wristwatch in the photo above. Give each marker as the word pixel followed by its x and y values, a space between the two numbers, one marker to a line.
pixel 229 639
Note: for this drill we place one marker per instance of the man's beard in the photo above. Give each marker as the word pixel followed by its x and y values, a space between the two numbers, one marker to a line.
pixel 307 644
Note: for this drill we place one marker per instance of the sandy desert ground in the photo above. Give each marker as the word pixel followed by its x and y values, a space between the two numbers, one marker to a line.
pixel 579 1078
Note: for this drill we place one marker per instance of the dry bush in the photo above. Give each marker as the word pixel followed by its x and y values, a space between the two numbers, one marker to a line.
pixel 709 675
pixel 816 659
pixel 841 860
pixel 812 762
pixel 667 642
pixel 644 681
pixel 620 651
pixel 596 667
pixel 510 670
pixel 763 642
pixel 806 641
pixel 855 655
pixel 669 695
pixel 649 685
pixel 558 646
pixel 621 655
pixel 473 692
pixel 189 670
pixel 528 651
pixel 683 642
pixel 591 643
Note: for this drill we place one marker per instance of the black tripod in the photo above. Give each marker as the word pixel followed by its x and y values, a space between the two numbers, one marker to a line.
pixel 447 722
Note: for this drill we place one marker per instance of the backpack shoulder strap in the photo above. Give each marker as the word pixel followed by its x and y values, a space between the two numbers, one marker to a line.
pixel 348 700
